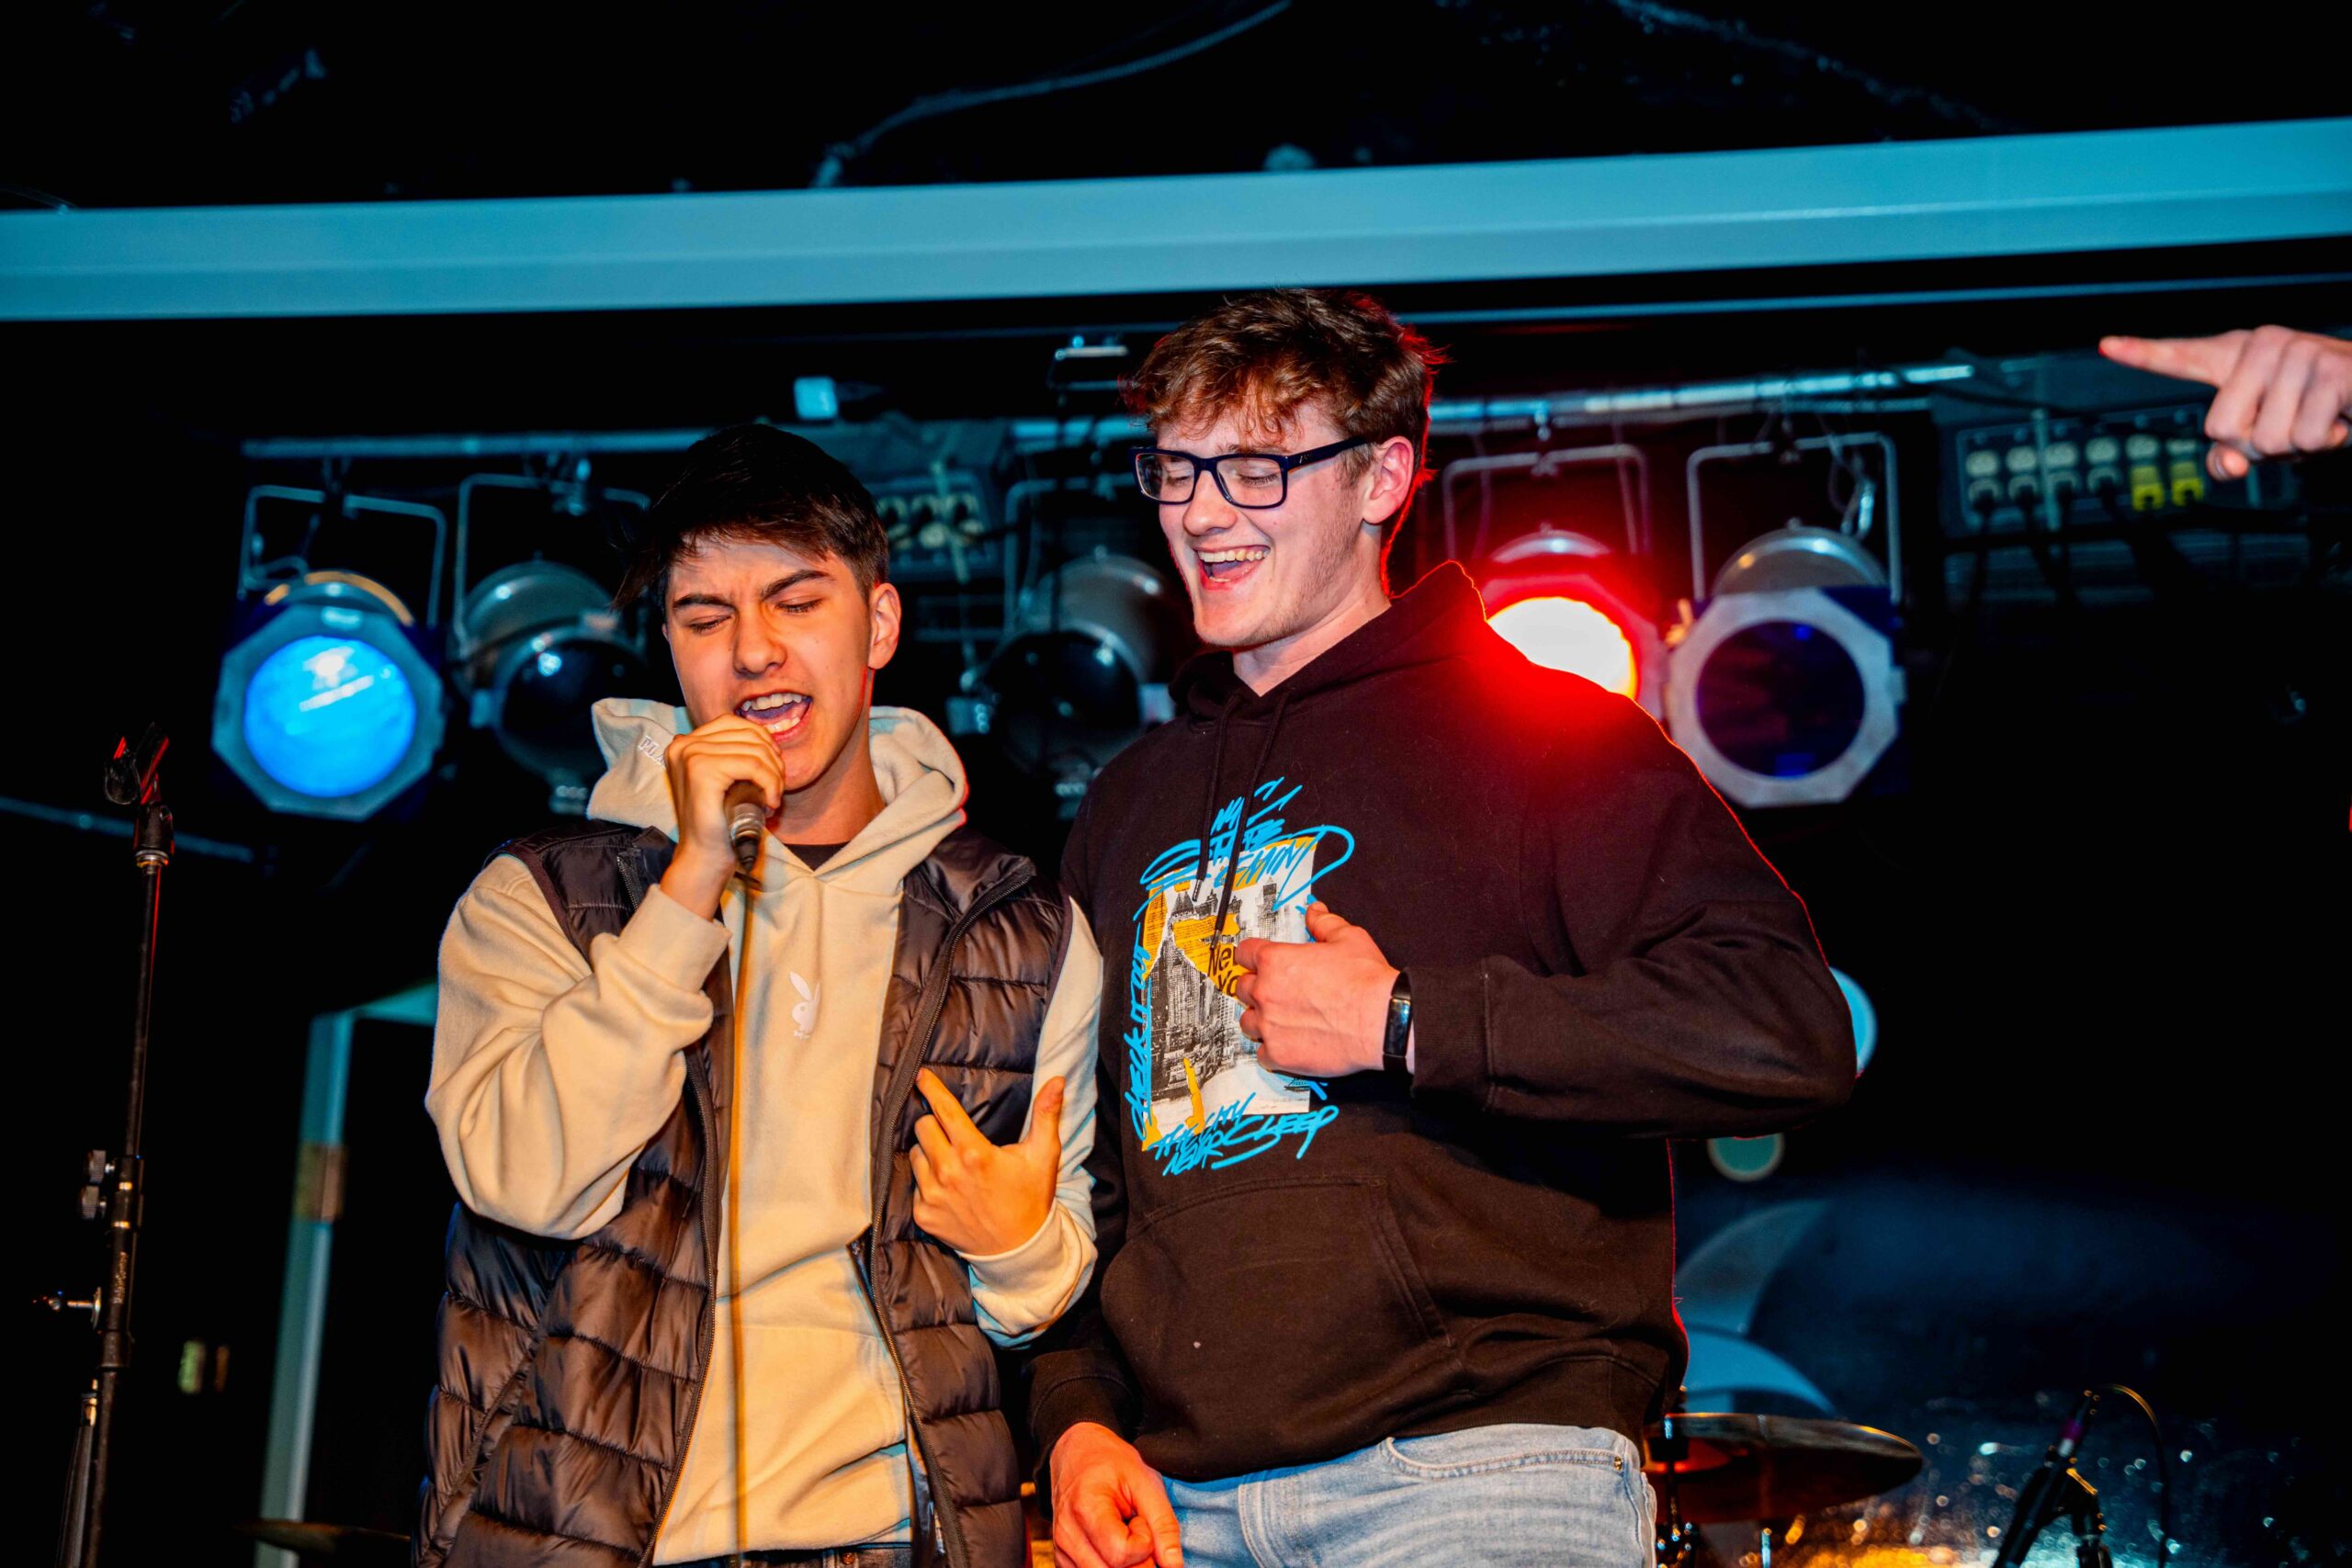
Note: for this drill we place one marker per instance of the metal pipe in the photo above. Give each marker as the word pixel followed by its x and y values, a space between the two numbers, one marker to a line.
pixel 1449 416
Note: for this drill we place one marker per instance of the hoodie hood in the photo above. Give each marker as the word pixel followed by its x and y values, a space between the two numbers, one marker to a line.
pixel 921 780
pixel 1439 617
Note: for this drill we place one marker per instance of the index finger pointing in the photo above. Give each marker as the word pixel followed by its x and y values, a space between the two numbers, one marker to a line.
pixel 2206 359
pixel 953 1120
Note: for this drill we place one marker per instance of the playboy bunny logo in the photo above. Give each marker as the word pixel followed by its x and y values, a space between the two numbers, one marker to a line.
pixel 803 1013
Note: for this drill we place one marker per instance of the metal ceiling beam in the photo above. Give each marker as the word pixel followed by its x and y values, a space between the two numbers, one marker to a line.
pixel 1695 212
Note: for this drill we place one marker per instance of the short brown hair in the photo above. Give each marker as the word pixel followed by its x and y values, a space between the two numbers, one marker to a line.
pixel 754 482
pixel 1271 354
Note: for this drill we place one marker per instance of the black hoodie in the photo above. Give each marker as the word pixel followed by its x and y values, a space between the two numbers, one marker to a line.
pixel 1599 959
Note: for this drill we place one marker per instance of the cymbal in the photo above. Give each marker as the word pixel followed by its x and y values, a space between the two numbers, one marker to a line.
pixel 344 1543
pixel 1728 1467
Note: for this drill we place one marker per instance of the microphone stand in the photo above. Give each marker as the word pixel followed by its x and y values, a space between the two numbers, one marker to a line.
pixel 2057 1487
pixel 112 1184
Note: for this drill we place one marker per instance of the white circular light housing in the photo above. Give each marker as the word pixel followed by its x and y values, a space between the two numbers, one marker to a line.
pixel 1810 615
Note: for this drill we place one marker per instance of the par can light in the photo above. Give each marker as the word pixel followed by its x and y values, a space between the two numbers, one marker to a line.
pixel 1560 631
pixel 327 708
pixel 1550 595
pixel 1082 672
pixel 1784 698
pixel 538 643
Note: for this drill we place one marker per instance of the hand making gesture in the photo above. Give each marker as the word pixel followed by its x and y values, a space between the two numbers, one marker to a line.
pixel 2281 391
pixel 978 1197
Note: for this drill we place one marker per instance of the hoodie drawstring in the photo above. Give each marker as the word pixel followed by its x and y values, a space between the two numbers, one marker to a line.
pixel 1248 790
pixel 1216 768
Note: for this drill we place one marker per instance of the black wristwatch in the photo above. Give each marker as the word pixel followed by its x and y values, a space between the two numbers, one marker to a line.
pixel 1400 1029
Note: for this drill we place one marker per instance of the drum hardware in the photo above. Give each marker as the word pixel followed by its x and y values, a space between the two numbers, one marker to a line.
pixel 1710 1467
pixel 336 1544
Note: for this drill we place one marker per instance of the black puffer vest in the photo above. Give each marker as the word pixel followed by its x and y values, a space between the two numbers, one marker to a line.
pixel 571 1370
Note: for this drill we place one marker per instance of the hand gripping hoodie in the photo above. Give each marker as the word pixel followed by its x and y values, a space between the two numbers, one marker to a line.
pixel 1600 959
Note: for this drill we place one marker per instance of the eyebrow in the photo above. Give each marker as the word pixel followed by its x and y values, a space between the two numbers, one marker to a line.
pixel 790 580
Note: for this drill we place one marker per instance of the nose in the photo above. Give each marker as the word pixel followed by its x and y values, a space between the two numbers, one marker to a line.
pixel 1208 511
pixel 758 648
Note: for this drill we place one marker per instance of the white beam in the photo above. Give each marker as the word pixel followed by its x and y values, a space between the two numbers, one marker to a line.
pixel 1686 212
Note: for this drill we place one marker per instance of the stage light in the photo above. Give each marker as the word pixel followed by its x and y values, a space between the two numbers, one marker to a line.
pixel 537 643
pixel 327 708
pixel 1784 689
pixel 1799 556
pixel 1784 698
pixel 329 716
pixel 1561 633
pixel 1747 1159
pixel 1550 595
pixel 1865 1017
pixel 1082 672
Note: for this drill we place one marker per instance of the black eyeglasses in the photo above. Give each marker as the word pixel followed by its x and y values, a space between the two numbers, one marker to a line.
pixel 1254 480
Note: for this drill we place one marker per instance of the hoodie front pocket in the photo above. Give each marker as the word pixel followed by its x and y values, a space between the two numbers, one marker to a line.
pixel 1276 1322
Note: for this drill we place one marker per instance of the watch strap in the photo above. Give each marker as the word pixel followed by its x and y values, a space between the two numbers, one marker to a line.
pixel 1400 1029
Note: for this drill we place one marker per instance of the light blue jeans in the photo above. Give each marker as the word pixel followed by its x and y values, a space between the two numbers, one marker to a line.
pixel 1511 1496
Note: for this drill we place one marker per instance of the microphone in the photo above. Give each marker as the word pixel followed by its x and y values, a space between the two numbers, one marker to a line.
pixel 747 819
pixel 2033 1497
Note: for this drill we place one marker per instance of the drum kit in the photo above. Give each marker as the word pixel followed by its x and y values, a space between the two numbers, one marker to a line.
pixel 1767 1471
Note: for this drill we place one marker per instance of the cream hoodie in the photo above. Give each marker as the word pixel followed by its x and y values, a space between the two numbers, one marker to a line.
pixel 550 1073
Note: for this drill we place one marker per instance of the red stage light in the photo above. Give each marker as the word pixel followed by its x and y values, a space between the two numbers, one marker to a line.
pixel 1560 632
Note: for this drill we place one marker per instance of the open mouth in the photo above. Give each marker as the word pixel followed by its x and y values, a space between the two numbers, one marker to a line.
pixel 1226 568
pixel 778 713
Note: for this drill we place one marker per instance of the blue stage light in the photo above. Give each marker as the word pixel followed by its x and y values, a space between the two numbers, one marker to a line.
pixel 1858 1003
pixel 329 716
pixel 326 707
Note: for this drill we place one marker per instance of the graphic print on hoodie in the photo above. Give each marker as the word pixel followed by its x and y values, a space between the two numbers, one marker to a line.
pixel 1196 1093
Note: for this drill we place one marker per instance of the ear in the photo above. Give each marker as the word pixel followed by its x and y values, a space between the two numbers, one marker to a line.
pixel 883 611
pixel 1387 480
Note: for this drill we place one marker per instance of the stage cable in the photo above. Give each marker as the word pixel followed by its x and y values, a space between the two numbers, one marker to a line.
pixel 2163 1468
pixel 732 1197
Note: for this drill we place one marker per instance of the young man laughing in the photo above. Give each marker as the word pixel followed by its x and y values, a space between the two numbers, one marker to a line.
pixel 718 1288
pixel 1428 951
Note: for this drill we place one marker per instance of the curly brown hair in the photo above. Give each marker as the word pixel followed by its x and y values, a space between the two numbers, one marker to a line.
pixel 1275 353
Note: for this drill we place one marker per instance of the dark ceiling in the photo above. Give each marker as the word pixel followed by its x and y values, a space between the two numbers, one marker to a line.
pixel 138 102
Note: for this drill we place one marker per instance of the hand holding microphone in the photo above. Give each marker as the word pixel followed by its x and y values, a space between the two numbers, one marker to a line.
pixel 724 778
pixel 747 819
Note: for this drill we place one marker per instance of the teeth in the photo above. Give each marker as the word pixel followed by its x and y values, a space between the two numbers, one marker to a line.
pixel 1246 552
pixel 771 700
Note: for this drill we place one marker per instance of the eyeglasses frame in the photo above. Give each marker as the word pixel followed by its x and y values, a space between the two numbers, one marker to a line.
pixel 1287 461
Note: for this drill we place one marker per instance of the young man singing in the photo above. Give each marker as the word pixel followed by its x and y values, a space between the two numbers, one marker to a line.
pixel 719 1290
pixel 1421 954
